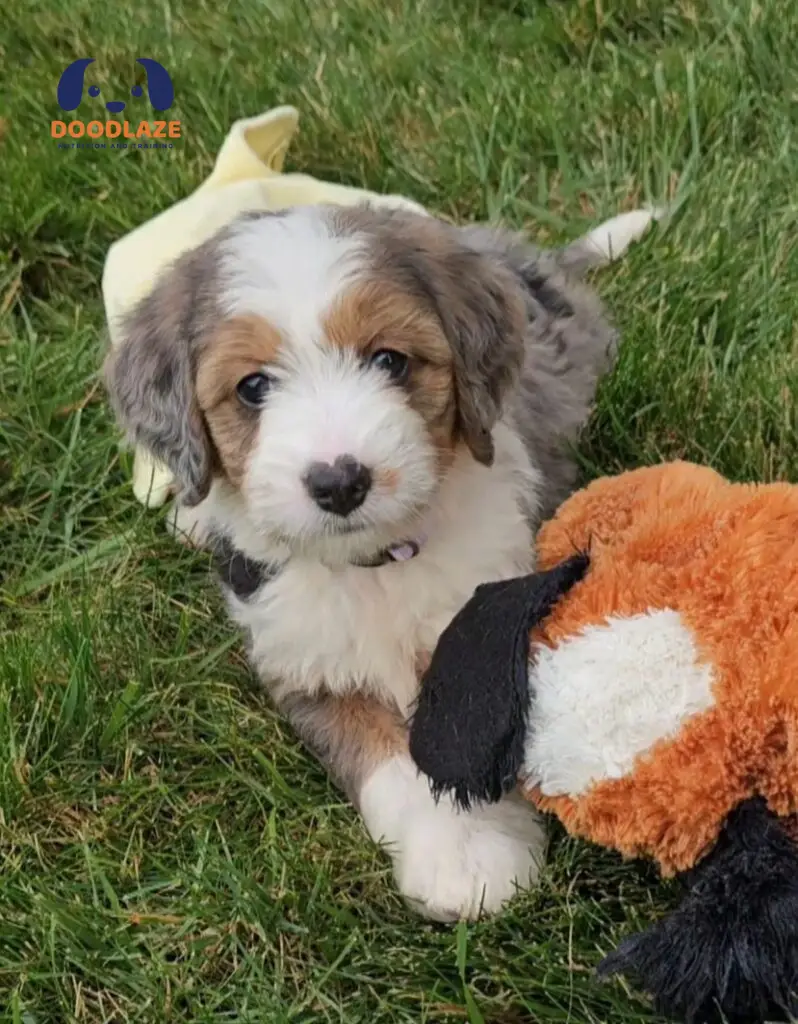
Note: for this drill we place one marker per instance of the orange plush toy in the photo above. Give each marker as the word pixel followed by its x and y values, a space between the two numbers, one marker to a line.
pixel 643 687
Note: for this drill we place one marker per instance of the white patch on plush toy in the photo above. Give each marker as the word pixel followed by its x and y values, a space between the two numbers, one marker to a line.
pixel 605 696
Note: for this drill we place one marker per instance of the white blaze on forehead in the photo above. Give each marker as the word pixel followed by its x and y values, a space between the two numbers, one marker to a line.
pixel 289 268
pixel 605 696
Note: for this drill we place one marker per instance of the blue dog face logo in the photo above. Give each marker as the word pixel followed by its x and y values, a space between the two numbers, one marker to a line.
pixel 159 86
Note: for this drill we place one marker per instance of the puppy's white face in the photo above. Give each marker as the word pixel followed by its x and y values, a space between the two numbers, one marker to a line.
pixel 328 391
pixel 327 363
pixel 337 419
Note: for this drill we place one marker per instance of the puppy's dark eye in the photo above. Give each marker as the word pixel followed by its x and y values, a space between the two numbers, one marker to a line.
pixel 254 389
pixel 393 363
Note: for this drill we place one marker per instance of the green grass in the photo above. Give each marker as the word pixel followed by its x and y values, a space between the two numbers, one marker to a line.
pixel 167 851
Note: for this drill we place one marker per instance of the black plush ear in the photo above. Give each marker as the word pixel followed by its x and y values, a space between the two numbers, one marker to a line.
pixel 729 952
pixel 151 375
pixel 468 731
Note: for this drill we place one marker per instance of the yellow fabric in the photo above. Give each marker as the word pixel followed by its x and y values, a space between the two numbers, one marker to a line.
pixel 247 176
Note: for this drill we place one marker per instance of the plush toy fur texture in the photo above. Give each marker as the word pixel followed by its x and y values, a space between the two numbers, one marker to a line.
pixel 728 952
pixel 713 797
pixel 725 557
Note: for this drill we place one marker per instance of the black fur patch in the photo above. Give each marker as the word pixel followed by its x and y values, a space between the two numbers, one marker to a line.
pixel 729 952
pixel 245 577
pixel 237 572
pixel 553 300
pixel 468 731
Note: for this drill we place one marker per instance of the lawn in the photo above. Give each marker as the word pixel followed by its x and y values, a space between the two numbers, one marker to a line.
pixel 167 851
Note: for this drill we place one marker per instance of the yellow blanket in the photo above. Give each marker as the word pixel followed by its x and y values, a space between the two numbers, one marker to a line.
pixel 247 176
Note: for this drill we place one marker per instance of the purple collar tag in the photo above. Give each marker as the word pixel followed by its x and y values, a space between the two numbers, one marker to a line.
pixel 403 552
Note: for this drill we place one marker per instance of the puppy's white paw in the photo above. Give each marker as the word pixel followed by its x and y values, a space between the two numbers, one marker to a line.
pixel 451 864
pixel 189 526
pixel 457 864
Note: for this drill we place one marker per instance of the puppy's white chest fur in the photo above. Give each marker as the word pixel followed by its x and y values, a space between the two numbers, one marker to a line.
pixel 365 628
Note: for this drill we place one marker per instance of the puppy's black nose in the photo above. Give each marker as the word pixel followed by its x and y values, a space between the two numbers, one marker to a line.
pixel 339 488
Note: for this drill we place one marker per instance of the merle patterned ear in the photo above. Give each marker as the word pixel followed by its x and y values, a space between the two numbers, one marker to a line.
pixel 150 375
pixel 484 317
pixel 469 728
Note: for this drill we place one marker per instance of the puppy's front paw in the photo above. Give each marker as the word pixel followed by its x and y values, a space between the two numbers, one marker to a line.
pixel 451 864
pixel 188 526
pixel 455 865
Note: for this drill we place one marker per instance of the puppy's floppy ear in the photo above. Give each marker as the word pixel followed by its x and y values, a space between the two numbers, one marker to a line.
pixel 150 375
pixel 484 317
pixel 461 276
pixel 469 729
pixel 729 952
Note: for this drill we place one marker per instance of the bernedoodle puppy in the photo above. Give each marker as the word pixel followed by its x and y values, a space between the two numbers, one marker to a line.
pixel 369 412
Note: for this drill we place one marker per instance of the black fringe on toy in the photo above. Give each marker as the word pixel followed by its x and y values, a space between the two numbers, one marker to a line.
pixel 469 729
pixel 729 952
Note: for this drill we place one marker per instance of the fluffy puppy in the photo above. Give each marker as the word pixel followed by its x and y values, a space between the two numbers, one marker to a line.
pixel 369 411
